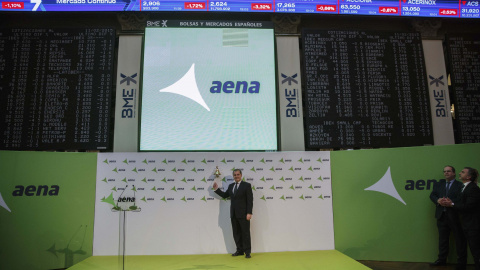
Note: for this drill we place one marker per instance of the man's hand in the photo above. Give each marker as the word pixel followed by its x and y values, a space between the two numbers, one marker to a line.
pixel 249 216
pixel 439 201
pixel 215 186
pixel 446 202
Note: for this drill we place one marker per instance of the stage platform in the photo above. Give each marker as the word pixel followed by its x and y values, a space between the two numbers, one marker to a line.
pixel 299 260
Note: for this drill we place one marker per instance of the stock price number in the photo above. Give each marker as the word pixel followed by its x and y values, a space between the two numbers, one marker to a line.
pixel 218 4
pixel 411 10
pixel 470 10
pixel 150 3
pixel 350 7
pixel 285 5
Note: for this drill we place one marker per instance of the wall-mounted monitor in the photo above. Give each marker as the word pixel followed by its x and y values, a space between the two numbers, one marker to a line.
pixel 209 86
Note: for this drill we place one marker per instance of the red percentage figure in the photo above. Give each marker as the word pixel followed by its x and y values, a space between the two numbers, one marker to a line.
pixel 259 6
pixel 388 10
pixel 449 12
pixel 194 5
pixel 327 8
pixel 12 5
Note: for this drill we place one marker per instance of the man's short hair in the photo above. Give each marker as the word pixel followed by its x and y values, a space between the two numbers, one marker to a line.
pixel 473 173
pixel 238 170
pixel 453 169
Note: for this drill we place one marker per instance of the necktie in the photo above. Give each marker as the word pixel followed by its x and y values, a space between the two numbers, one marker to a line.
pixel 448 187
pixel 235 190
pixel 463 187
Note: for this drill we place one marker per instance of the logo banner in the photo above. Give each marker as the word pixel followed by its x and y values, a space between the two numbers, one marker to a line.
pixel 290 93
pixel 438 88
pixel 46 209
pixel 382 205
pixel 126 106
pixel 177 211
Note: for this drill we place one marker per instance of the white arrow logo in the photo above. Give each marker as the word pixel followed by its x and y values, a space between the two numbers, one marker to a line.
pixel 3 204
pixel 385 186
pixel 187 87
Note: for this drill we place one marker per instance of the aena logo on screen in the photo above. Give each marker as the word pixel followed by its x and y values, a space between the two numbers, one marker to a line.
pixel 187 87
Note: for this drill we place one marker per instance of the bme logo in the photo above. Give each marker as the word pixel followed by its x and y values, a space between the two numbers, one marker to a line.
pixel 440 95
pixel 128 96
pixel 291 95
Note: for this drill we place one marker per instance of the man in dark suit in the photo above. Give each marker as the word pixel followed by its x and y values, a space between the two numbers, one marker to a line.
pixel 447 218
pixel 241 204
pixel 468 206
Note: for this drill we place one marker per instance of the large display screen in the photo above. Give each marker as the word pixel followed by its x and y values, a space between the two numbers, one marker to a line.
pixel 365 89
pixel 464 68
pixel 421 8
pixel 208 86
pixel 56 88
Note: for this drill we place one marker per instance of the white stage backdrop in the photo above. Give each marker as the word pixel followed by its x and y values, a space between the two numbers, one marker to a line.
pixel 180 213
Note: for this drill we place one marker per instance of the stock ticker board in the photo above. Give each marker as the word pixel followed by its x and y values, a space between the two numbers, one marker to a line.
pixel 56 88
pixel 420 8
pixel 464 66
pixel 365 89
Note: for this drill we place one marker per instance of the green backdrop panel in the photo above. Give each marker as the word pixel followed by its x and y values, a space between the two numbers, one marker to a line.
pixel 371 225
pixel 46 209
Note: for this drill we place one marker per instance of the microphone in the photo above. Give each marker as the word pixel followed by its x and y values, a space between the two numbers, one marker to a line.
pixel 134 207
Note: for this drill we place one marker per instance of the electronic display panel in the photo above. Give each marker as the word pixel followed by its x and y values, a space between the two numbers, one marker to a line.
pixel 56 87
pixel 208 86
pixel 464 68
pixel 411 8
pixel 365 89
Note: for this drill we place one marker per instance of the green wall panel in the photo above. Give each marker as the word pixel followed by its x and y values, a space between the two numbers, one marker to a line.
pixel 371 225
pixel 46 231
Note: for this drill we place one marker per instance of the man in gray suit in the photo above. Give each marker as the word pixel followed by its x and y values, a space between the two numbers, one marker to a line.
pixel 241 204
pixel 447 219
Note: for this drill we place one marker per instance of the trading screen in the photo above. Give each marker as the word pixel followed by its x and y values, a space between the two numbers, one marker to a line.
pixel 416 8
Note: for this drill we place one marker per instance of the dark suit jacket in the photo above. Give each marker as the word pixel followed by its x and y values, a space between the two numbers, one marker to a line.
pixel 468 205
pixel 439 192
pixel 242 202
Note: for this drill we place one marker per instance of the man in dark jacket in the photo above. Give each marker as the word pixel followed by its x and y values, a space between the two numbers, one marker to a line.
pixel 447 218
pixel 241 204
pixel 468 206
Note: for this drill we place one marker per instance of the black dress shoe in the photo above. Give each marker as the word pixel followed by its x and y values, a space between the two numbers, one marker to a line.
pixel 461 267
pixel 237 253
pixel 247 255
pixel 438 263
